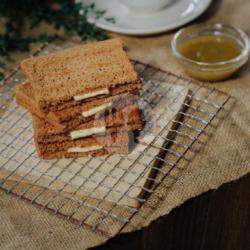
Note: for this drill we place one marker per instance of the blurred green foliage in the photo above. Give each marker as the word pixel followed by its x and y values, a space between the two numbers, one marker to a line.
pixel 59 13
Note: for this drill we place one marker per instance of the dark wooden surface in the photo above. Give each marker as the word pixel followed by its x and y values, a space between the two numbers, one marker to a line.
pixel 215 220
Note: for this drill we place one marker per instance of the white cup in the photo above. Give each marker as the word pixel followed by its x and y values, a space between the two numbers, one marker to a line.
pixel 145 6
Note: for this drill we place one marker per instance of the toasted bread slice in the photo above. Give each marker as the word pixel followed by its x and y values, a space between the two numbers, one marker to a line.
pixel 79 74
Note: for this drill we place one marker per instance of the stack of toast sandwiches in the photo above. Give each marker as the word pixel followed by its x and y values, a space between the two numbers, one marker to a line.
pixel 83 100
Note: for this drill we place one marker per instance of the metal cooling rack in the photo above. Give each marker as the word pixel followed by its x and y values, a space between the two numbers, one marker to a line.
pixel 52 184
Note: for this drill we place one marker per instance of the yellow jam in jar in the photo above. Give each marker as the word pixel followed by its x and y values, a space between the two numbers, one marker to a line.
pixel 210 49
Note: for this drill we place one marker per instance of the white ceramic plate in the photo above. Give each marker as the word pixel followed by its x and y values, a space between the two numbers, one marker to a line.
pixel 128 22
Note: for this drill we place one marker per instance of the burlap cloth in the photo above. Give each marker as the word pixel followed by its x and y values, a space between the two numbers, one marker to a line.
pixel 225 158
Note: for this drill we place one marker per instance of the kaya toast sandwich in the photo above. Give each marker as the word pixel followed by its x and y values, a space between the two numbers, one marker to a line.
pixel 79 75
pixel 73 116
pixel 91 146
pixel 125 120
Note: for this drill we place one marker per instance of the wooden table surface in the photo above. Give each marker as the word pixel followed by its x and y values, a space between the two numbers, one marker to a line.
pixel 215 220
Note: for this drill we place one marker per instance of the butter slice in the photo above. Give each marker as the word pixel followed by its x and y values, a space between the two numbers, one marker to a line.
pixel 96 110
pixel 83 149
pixel 87 132
pixel 91 94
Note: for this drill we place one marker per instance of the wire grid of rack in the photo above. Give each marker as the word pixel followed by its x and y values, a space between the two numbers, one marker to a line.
pixel 187 131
